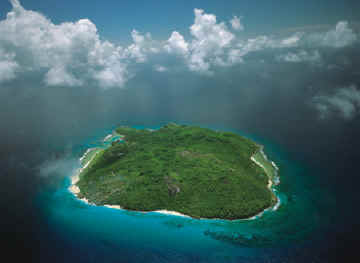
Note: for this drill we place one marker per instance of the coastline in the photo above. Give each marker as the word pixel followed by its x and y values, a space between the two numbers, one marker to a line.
pixel 108 137
pixel 75 190
pixel 271 181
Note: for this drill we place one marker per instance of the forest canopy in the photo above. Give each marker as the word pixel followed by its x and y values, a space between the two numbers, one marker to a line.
pixel 195 171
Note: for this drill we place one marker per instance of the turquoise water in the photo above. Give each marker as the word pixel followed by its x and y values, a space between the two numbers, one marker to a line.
pixel 100 233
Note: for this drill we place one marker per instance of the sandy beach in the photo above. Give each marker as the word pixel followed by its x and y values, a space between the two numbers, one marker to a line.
pixel 108 137
pixel 73 188
pixel 174 213
pixel 270 183
pixel 113 206
pixel 165 212
pixel 84 155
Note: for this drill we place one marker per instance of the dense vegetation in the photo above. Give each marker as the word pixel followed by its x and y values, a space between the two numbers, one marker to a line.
pixel 191 170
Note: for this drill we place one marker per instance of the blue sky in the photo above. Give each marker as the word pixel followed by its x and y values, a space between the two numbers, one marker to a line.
pixel 82 45
pixel 115 19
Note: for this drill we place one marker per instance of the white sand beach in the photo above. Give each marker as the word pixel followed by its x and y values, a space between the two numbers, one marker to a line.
pixel 113 206
pixel 108 137
pixel 73 188
pixel 270 182
pixel 166 212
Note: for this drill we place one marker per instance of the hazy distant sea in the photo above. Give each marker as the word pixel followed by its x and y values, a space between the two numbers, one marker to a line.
pixel 77 232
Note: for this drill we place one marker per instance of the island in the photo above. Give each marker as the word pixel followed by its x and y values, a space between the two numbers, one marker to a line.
pixel 189 170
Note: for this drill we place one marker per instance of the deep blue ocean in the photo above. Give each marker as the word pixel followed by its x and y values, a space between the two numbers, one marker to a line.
pixel 295 232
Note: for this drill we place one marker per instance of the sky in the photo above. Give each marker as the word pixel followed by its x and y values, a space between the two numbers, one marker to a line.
pixel 116 19
pixel 240 59
pixel 75 53
pixel 236 63
pixel 287 71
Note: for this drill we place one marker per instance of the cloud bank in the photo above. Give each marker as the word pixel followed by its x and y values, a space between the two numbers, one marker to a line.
pixel 300 56
pixel 72 54
pixel 69 54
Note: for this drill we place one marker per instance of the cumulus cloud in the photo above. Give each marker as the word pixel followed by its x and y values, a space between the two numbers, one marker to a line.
pixel 143 46
pixel 137 50
pixel 177 44
pixel 344 102
pixel 207 47
pixel 210 40
pixel 206 29
pixel 58 76
pixel 236 23
pixel 8 66
pixel 300 56
pixel 71 54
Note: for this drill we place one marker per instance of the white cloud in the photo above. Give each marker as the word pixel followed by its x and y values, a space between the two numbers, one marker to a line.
pixel 59 76
pixel 71 53
pixel 254 44
pixel 210 39
pixel 16 4
pixel 206 30
pixel 8 66
pixel 300 56
pixel 235 56
pixel 236 24
pixel 207 46
pixel 111 60
pixel 177 44
pixel 339 37
pixel 291 41
pixel 209 42
pixel 345 102
pixel 135 50
pixel 143 46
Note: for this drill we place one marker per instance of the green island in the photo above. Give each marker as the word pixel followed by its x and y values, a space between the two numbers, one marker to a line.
pixel 194 171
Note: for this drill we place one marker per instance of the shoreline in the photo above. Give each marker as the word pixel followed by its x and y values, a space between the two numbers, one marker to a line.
pixel 75 190
pixel 271 181
pixel 108 137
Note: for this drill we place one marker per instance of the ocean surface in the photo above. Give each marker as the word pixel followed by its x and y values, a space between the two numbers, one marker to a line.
pixel 295 232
